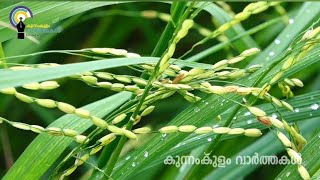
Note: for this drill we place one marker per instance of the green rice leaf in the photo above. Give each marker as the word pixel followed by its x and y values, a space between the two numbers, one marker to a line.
pixel 45 150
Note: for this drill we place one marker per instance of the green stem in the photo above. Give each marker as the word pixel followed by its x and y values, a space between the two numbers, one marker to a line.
pixel 2 57
pixel 217 47
pixel 115 155
pixel 123 139
pixel 166 35
pixel 160 48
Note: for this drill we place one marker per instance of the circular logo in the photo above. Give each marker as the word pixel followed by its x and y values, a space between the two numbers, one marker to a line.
pixel 19 12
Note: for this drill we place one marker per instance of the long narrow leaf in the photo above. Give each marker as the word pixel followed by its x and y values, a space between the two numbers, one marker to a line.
pixel 43 152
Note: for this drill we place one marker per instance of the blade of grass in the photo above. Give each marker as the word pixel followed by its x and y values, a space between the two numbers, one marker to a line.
pixel 301 22
pixel 18 78
pixel 45 150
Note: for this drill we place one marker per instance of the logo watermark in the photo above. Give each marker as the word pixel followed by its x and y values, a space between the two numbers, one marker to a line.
pixel 38 29
pixel 17 17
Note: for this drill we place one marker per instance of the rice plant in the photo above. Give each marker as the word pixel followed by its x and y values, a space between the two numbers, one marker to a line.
pixel 180 90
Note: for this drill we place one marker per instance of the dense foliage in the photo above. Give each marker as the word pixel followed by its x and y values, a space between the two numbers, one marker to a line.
pixel 131 90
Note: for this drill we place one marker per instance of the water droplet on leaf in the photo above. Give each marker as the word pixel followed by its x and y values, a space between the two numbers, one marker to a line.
pixel 288 174
pixel 291 21
pixel 271 53
pixel 196 109
pixel 146 154
pixel 314 106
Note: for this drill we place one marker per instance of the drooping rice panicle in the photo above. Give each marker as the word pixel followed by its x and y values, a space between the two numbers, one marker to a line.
pixel 290 147
pixel 67 108
pixel 54 131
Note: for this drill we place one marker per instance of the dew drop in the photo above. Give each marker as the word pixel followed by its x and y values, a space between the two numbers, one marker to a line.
pixel 291 21
pixel 163 137
pixel 133 164
pixel 247 113
pixel 146 154
pixel 196 109
pixel 277 41
pixel 244 99
pixel 296 110
pixel 234 118
pixel 249 121
pixel 128 157
pixel 288 174
pixel 310 114
pixel 209 139
pixel 271 53
pixel 206 103
pixel 221 104
pixel 274 115
pixel 314 106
